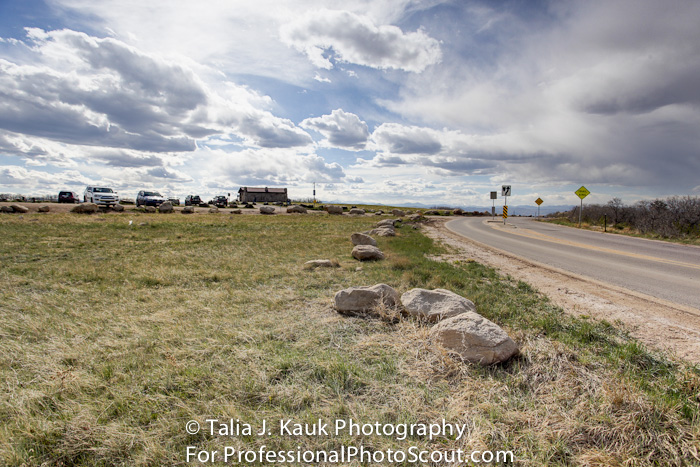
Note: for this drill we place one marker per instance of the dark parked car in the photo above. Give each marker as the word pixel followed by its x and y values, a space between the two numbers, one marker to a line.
pixel 193 200
pixel 68 197
pixel 174 201
pixel 220 201
pixel 149 198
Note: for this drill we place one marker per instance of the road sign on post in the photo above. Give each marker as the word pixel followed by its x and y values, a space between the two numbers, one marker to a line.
pixel 505 192
pixel 581 193
pixel 494 195
pixel 538 201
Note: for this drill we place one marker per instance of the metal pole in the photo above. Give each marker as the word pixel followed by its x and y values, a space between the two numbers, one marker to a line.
pixel 580 211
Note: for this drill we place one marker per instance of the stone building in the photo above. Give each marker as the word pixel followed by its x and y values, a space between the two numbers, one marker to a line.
pixel 249 194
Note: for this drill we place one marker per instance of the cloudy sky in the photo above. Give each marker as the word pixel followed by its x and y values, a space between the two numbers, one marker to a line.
pixel 389 101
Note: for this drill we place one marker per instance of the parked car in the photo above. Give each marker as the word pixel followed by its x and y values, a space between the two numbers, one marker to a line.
pixel 149 198
pixel 68 197
pixel 100 195
pixel 174 201
pixel 192 200
pixel 220 201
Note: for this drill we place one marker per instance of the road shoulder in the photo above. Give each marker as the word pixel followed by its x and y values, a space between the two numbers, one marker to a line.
pixel 671 328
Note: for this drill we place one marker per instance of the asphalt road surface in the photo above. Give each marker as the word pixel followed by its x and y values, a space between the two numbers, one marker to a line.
pixel 663 270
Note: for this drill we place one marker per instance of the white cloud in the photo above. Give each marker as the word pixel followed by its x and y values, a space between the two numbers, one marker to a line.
pixel 344 36
pixel 341 129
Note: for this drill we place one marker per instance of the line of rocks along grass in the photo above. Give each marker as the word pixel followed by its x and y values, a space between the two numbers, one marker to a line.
pixel 113 336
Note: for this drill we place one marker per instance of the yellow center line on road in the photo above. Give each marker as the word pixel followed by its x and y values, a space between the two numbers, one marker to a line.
pixel 540 236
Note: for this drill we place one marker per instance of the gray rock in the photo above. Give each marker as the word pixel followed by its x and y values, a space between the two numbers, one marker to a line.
pixel 364 299
pixel 387 222
pixel 166 207
pixel 362 239
pixel 214 210
pixel 296 209
pixel 7 209
pixel 432 212
pixel 474 338
pixel 85 208
pixel 357 212
pixel 267 209
pixel 118 208
pixel 397 213
pixel 384 231
pixel 150 209
pixel 236 211
pixel 44 208
pixel 367 253
pixel 435 305
pixel 188 210
pixel 19 208
pixel 334 209
pixel 415 217
pixel 379 213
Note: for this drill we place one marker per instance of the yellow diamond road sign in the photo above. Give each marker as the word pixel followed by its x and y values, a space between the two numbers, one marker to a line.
pixel 582 192
pixel 539 201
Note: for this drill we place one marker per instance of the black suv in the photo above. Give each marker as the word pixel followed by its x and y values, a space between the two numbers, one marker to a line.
pixel 68 197
pixel 193 200
pixel 220 201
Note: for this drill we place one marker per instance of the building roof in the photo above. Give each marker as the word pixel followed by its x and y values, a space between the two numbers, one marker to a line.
pixel 251 189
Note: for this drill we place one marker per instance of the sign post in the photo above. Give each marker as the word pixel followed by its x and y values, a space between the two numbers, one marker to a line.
pixel 494 195
pixel 581 193
pixel 538 201
pixel 505 192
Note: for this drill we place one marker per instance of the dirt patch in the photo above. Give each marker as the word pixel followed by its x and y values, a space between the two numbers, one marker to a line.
pixel 668 327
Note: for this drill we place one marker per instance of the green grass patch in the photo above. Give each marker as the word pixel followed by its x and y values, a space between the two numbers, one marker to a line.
pixel 113 337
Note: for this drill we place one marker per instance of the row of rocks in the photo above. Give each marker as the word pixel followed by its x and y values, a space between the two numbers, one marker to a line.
pixel 18 208
pixel 459 327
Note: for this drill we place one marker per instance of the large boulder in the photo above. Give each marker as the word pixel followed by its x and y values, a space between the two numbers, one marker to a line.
pixel 435 305
pixel 118 208
pixel 362 239
pixel 85 208
pixel 364 299
pixel 474 338
pixel 397 213
pixel 367 253
pixel 296 209
pixel 213 210
pixel 357 212
pixel 384 231
pixel 387 222
pixel 267 209
pixel 188 210
pixel 334 209
pixel 19 208
pixel 166 207
pixel 432 212
pixel 7 209
pixel 150 209
pixel 44 208
pixel 236 211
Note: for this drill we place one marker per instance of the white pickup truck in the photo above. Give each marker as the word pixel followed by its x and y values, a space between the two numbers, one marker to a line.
pixel 101 196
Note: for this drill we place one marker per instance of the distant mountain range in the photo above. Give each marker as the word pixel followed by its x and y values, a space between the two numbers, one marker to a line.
pixel 512 210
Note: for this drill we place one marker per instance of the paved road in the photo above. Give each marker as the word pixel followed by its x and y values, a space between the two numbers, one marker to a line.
pixel 662 270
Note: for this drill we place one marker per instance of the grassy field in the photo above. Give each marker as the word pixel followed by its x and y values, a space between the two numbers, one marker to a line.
pixel 623 229
pixel 113 337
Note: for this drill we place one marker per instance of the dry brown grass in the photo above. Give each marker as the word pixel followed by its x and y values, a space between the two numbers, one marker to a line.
pixel 113 337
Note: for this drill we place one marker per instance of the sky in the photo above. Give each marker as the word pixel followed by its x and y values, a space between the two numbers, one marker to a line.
pixel 375 101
